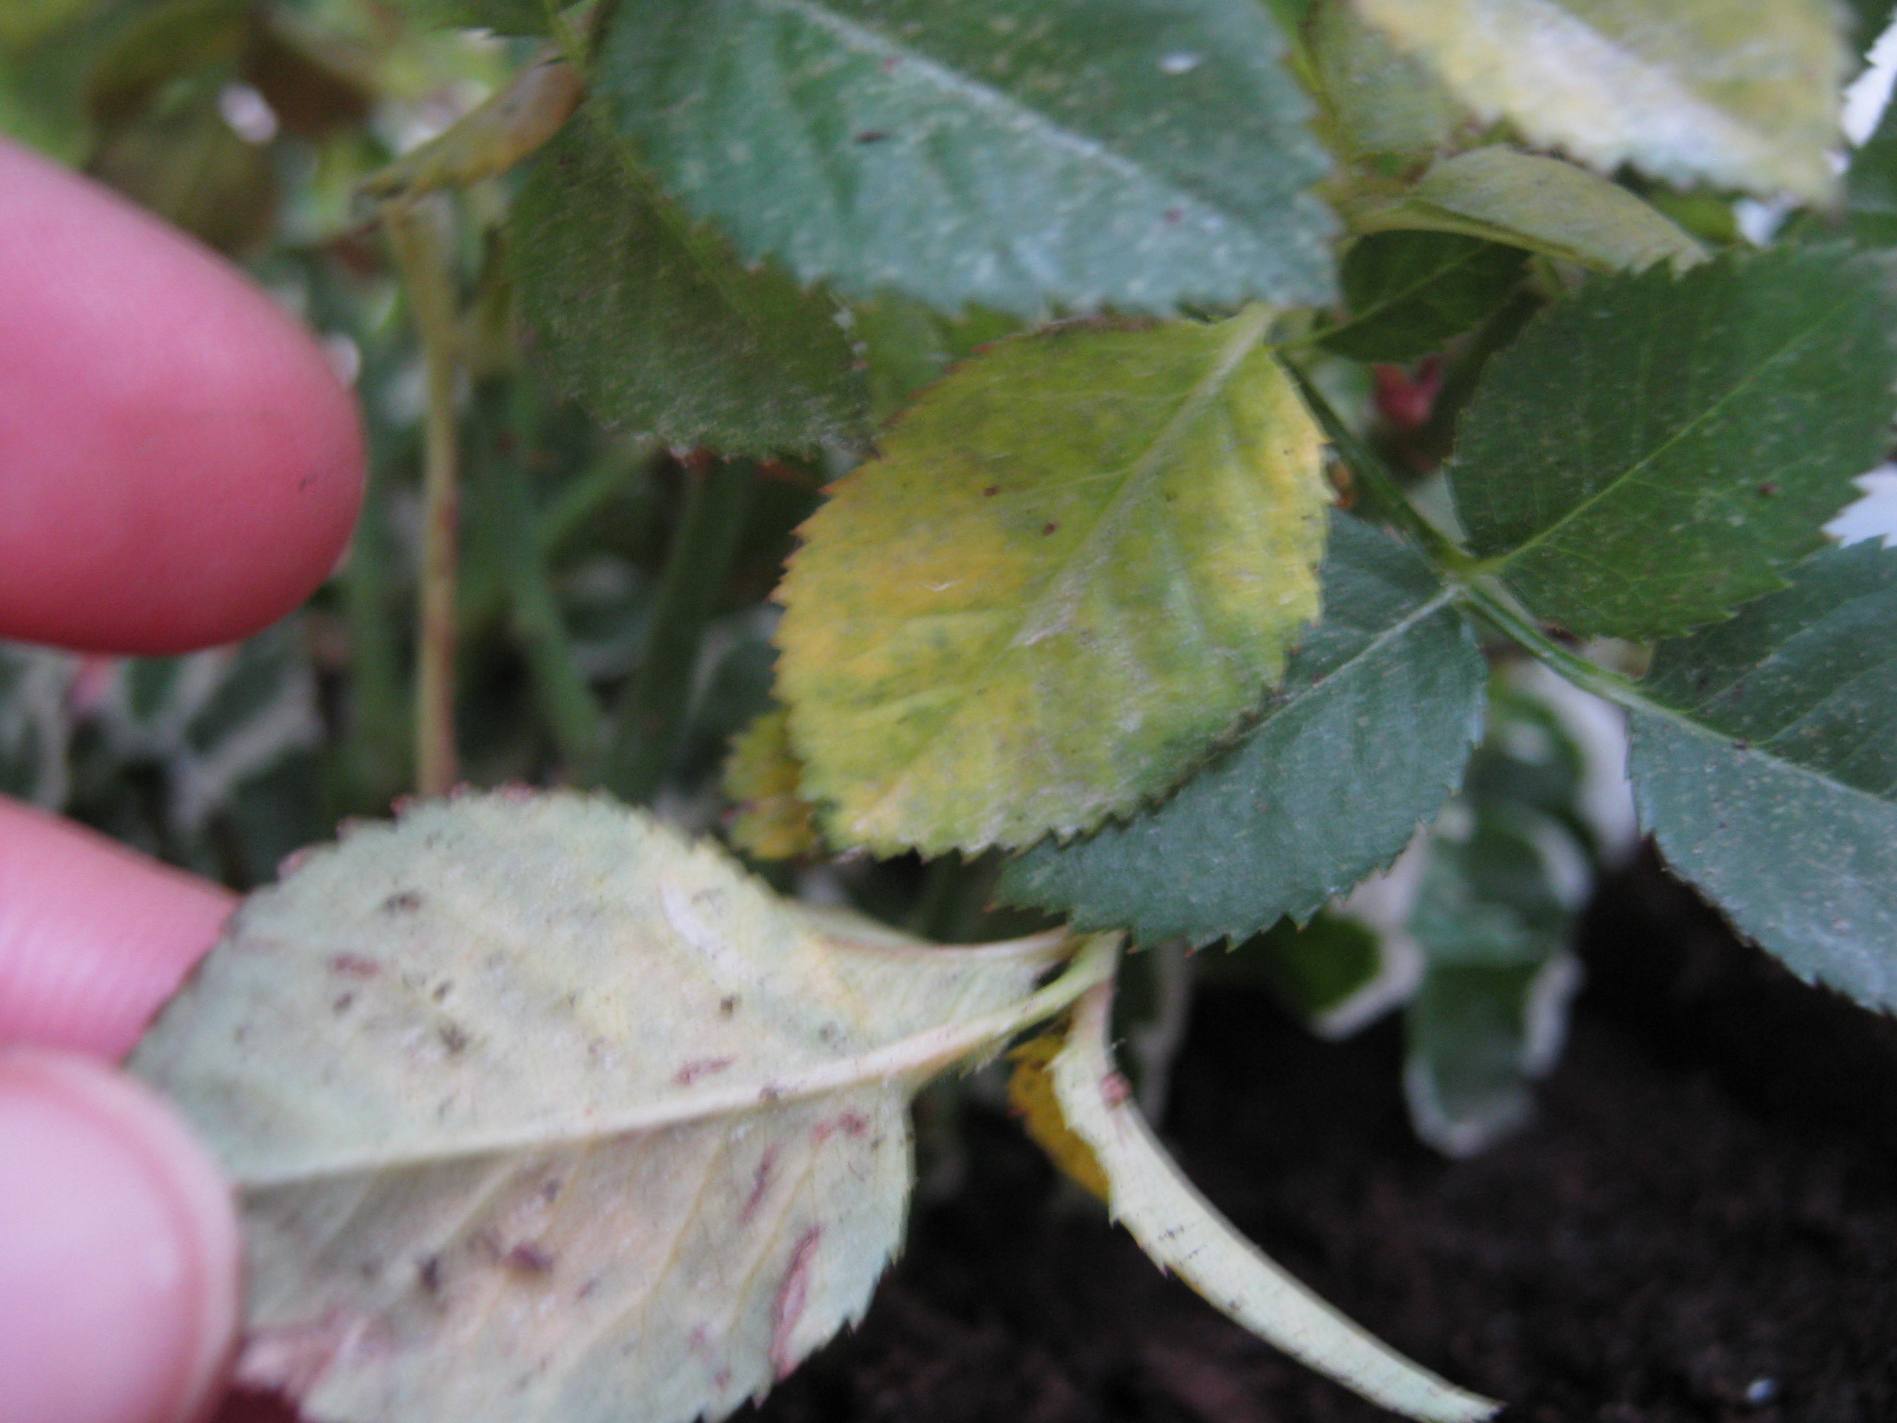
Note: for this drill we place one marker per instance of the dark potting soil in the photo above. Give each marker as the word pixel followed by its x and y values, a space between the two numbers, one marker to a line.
pixel 1700 1224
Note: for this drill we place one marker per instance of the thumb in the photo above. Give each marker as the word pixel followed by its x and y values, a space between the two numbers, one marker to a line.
pixel 118 1276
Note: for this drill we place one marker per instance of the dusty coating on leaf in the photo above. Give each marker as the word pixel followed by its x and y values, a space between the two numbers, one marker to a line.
pixel 1078 563
pixel 1732 92
pixel 1183 1234
pixel 610 1133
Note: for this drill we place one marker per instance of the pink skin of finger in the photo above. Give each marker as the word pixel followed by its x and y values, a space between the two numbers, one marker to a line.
pixel 178 468
pixel 178 465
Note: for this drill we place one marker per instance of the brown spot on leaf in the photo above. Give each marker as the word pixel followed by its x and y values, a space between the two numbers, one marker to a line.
pixel 991 491
pixel 871 135
pixel 405 902
pixel 727 1005
pixel 528 1258
pixel 698 1067
pixel 453 1037
pixel 343 1000
pixel 1049 527
pixel 1767 489
pixel 788 1305
pixel 428 1273
pixel 354 966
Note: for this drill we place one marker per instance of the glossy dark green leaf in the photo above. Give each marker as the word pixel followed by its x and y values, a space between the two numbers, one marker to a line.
pixel 657 328
pixel 1408 292
pixel 1016 154
pixel 1768 769
pixel 1366 737
pixel 1657 450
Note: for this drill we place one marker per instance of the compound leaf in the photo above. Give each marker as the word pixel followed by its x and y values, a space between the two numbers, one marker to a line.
pixel 1730 92
pixel 1368 735
pixel 1078 562
pixel 1183 1234
pixel 1653 452
pixel 1767 769
pixel 541 1112
pixel 656 327
pixel 1136 154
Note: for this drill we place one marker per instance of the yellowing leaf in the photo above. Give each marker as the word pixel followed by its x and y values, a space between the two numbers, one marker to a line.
pixel 765 779
pixel 541 1112
pixel 1182 1233
pixel 1077 564
pixel 1738 93
pixel 1031 1098
pixel 491 138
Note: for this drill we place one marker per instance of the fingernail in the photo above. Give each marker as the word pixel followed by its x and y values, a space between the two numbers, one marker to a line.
pixel 119 1252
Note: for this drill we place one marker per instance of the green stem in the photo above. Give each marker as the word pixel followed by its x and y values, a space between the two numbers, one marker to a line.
pixel 378 754
pixel 422 257
pixel 566 701
pixel 1385 493
pixel 651 715
pixel 1482 598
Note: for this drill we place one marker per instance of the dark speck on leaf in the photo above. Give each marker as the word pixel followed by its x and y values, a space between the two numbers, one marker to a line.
pixel 407 902
pixel 871 135
pixel 1049 527
pixel 991 491
pixel 1767 489
pixel 452 1037
pixel 1174 216
pixel 727 1005
pixel 443 989
pixel 343 1000
pixel 354 966
pixel 429 1272
pixel 528 1259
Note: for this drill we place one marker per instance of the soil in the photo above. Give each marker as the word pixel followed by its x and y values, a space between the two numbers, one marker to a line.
pixel 1701 1223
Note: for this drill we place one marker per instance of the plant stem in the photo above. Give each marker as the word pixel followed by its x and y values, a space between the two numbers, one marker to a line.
pixel 651 714
pixel 420 253
pixel 1386 494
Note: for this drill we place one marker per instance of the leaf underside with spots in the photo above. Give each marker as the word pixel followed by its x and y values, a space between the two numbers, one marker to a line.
pixel 1653 452
pixel 1077 564
pixel 1727 92
pixel 1767 769
pixel 540 1111
pixel 1317 793
pixel 1184 1235
pixel 1015 154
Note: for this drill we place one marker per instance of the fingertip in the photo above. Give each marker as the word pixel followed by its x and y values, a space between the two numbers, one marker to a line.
pixel 93 937
pixel 119 1283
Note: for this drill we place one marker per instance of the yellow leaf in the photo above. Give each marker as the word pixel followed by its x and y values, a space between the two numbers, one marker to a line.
pixel 1076 566
pixel 763 777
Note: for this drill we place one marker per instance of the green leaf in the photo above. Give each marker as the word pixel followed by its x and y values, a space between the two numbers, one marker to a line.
pixel 1870 186
pixel 1407 293
pixel 656 327
pixel 1336 973
pixel 1730 92
pixel 1063 153
pixel 1767 769
pixel 507 17
pixel 540 1112
pixel 1368 735
pixel 1653 452
pixel 1493 919
pixel 1077 564
pixel 1541 204
pixel 1375 99
pixel 1184 1235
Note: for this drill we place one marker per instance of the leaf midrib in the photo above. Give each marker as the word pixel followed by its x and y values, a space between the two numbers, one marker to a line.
pixel 853 35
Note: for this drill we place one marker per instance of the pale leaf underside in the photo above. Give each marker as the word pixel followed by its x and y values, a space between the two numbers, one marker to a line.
pixel 1730 92
pixel 541 1112
pixel 1077 563
pixel 1181 1231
